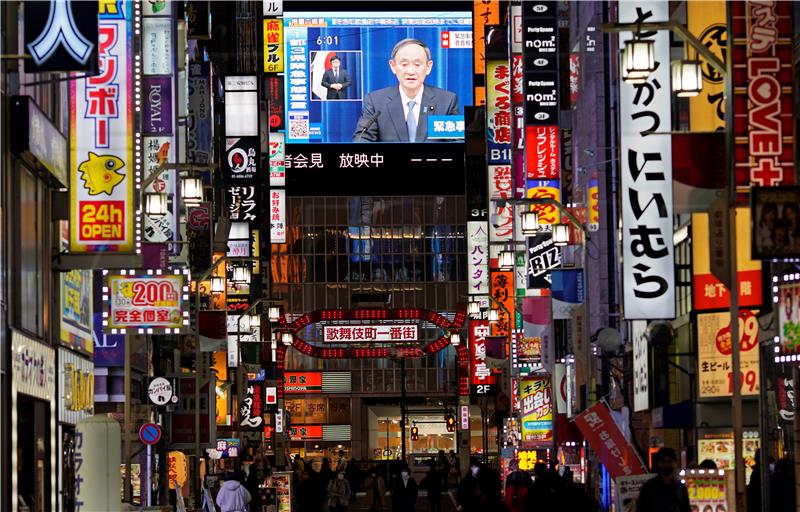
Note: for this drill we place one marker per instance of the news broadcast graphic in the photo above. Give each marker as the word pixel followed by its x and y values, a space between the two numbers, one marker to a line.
pixel 341 87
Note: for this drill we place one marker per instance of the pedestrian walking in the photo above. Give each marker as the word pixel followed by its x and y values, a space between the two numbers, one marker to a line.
pixel 467 496
pixel 404 492
pixel 338 493
pixel 664 493
pixel 518 484
pixel 433 484
pixel 232 496
pixel 375 488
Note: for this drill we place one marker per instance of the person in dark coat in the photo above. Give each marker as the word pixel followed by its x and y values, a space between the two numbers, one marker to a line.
pixel 782 487
pixel 433 483
pixel 664 493
pixel 404 492
pixel 518 484
pixel 467 496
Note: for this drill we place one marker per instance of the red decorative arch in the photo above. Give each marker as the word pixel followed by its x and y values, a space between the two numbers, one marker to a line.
pixel 322 315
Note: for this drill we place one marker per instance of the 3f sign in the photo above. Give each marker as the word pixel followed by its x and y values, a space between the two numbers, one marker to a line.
pixel 60 30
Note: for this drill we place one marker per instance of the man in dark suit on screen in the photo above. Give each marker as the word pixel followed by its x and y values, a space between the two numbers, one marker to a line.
pixel 336 80
pixel 400 113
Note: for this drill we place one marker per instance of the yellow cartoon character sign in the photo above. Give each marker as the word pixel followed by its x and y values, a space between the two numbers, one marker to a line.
pixel 100 174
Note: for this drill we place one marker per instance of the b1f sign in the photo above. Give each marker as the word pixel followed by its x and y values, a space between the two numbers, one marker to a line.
pixel 101 135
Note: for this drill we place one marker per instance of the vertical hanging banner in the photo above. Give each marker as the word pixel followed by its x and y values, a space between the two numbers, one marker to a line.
pixel 540 51
pixel 707 20
pixel 608 442
pixel 648 260
pixel 481 379
pixel 273 45
pixel 763 81
pixel 502 290
pixel 484 12
pixel 242 149
pixel 277 216
pixel 251 407
pixel 199 119
pixel 277 159
pixel 501 184
pixel 102 174
pixel 478 258
pixel 159 118
pixel 498 111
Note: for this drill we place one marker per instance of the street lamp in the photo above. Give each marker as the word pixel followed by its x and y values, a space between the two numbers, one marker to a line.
pixel 217 284
pixel 560 234
pixel 494 315
pixel 639 58
pixel 455 339
pixel 473 309
pixel 506 259
pixel 687 78
pixel 274 314
pixel 287 338
pixel 191 189
pixel 155 204
pixel 241 274
pixel 530 223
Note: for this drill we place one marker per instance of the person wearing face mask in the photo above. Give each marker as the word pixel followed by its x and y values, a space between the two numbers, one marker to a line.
pixel 664 492
pixel 404 492
pixel 338 493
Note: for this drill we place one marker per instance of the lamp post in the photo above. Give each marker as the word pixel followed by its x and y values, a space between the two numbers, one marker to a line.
pixel 562 232
pixel 198 354
pixel 725 69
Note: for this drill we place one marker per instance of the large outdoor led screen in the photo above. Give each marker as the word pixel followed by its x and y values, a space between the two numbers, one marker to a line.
pixel 342 84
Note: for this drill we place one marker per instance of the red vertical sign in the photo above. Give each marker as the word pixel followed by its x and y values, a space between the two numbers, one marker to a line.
pixel 607 441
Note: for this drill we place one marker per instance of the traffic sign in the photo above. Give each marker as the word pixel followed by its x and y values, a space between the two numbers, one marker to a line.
pixel 149 433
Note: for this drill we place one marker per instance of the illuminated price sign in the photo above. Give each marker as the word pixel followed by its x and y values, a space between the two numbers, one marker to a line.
pixel 146 302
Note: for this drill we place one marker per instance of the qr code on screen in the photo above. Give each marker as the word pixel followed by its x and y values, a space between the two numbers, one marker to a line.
pixel 298 128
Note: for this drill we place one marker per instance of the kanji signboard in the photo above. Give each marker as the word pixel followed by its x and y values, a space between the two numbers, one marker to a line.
pixel 381 333
pixel 146 302
pixel 101 142
pixel 482 380
pixel 537 410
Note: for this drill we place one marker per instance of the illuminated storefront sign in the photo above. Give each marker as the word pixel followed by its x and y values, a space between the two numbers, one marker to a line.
pixel 251 407
pixel 61 35
pixel 482 380
pixel 146 302
pixel 648 260
pixel 762 35
pixel 502 291
pixel 715 377
pixel 157 46
pixel 542 156
pixel 277 216
pixel 305 433
pixel 277 160
pixel 501 186
pixel 788 299
pixel 540 50
pixel 498 112
pixel 707 291
pixel 381 333
pixel 707 20
pixel 273 46
pixel 302 382
pixel 608 442
pixel 101 139
pixel 76 310
pixel 76 385
pixel 537 410
pixel 478 258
